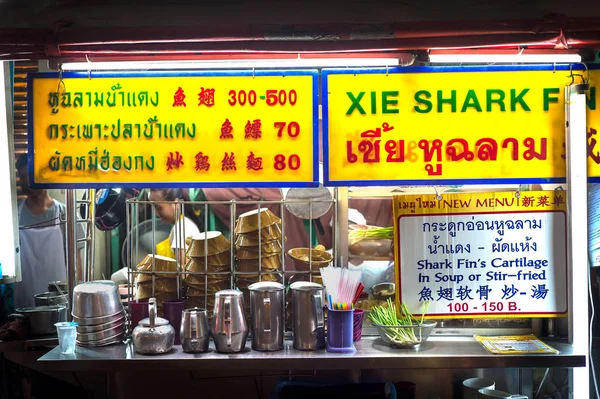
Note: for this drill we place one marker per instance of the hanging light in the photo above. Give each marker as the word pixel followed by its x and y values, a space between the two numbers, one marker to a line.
pixel 232 64
pixel 503 56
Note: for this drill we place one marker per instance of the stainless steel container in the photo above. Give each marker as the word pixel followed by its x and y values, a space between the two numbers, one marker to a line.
pixel 307 313
pixel 153 335
pixel 266 315
pixel 229 328
pixel 195 333
pixel 41 319
pixel 95 299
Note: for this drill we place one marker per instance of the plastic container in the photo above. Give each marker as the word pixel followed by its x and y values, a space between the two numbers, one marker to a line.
pixel 410 336
pixel 340 331
pixel 66 336
pixel 138 310
pixel 359 316
pixel 173 310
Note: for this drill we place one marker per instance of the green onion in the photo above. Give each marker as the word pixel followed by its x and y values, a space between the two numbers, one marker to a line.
pixel 380 233
pixel 386 315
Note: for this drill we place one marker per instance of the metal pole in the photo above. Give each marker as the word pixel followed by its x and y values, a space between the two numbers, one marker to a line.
pixel 577 231
pixel 71 246
pixel 91 249
pixel 341 238
pixel 12 266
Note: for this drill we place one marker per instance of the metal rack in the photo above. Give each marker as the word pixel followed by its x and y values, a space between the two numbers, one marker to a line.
pixel 73 219
pixel 284 274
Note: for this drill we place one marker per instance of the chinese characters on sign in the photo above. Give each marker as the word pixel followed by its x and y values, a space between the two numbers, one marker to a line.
pixel 250 130
pixel 386 129
pixel 489 254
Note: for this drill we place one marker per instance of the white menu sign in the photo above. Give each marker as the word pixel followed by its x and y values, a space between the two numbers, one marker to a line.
pixel 472 264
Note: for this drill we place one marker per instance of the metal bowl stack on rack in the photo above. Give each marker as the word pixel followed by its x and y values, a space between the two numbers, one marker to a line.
pixel 98 310
pixel 165 284
pixel 258 250
pixel 208 269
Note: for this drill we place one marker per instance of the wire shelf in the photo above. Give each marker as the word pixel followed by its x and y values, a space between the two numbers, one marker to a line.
pixel 216 277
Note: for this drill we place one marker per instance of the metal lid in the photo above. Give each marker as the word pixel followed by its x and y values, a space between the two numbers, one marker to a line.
pixel 306 286
pixel 158 322
pixel 228 293
pixel 194 310
pixel 266 286
pixel 48 308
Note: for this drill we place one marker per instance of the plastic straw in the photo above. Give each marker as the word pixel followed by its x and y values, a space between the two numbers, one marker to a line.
pixel 342 285
pixel 359 291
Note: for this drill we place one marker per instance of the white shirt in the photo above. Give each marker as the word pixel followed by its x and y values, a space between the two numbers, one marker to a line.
pixel 189 229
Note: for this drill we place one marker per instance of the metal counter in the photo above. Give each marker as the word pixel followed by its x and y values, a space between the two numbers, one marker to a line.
pixel 372 353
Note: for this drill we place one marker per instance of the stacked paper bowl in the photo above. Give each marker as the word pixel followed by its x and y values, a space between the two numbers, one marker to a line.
pixel 165 280
pixel 208 269
pixel 99 312
pixel 258 249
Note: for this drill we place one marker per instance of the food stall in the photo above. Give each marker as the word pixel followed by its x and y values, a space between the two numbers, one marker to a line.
pixel 432 147
pixel 451 162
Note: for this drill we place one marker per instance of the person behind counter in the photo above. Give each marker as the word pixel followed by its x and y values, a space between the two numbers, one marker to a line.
pixel 42 238
pixel 189 222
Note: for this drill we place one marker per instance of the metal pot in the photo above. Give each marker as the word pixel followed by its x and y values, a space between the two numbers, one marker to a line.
pixel 41 319
pixel 50 298
pixel 153 335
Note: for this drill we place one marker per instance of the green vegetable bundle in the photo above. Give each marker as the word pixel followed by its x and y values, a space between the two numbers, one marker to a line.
pixel 355 236
pixel 386 315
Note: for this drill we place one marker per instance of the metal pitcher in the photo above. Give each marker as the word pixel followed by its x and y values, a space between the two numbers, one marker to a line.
pixel 195 333
pixel 308 319
pixel 266 315
pixel 229 327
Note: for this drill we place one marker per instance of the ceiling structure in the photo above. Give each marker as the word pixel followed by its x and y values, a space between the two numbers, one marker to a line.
pixel 125 29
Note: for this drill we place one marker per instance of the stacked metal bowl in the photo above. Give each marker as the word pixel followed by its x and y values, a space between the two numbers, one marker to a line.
pixel 165 284
pixel 258 239
pixel 210 262
pixel 99 312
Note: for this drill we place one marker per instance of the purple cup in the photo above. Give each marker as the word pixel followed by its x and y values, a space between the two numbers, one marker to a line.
pixel 138 309
pixel 340 327
pixel 359 316
pixel 172 310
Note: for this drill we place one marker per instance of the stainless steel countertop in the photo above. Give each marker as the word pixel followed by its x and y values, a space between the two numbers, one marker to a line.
pixel 372 353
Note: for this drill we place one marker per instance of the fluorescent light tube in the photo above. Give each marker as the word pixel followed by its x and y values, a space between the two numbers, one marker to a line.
pixel 482 58
pixel 229 64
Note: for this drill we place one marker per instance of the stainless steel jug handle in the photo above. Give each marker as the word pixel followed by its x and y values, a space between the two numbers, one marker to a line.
pixel 267 305
pixel 194 326
pixel 227 319
pixel 152 312
pixel 318 302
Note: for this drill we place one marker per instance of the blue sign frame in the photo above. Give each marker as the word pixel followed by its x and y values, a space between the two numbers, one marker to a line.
pixel 246 73
pixel 325 73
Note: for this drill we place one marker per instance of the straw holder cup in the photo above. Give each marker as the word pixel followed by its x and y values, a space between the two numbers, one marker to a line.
pixel 340 331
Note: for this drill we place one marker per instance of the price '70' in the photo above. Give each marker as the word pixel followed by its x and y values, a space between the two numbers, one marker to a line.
pixel 293 128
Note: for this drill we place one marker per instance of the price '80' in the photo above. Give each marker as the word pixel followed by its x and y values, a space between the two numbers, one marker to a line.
pixel 293 162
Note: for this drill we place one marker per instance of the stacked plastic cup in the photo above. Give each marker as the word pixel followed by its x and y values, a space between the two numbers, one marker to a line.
pixel 66 336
